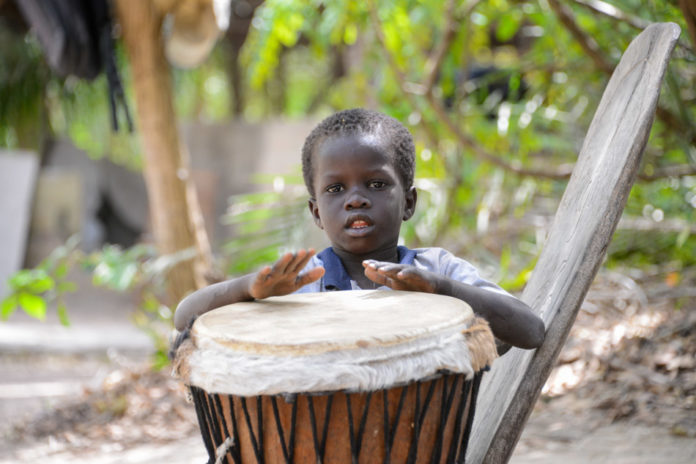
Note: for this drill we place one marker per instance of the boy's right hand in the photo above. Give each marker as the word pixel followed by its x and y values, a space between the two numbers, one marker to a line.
pixel 285 275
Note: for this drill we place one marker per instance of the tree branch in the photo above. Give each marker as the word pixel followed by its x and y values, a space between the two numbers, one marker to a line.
pixel 688 8
pixel 678 170
pixel 563 172
pixel 411 89
pixel 676 124
pixel 614 13
pixel 435 60
pixel 588 44
pixel 647 225
pixel 590 47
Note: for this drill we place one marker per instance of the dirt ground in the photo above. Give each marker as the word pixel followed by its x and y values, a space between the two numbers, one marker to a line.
pixel 623 391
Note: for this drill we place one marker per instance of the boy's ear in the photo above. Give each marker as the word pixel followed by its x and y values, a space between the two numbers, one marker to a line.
pixel 314 209
pixel 410 204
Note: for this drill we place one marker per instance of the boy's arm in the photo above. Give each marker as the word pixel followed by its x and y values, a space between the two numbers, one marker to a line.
pixel 282 278
pixel 210 297
pixel 511 320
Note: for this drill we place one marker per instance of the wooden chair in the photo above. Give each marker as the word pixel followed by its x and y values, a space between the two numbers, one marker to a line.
pixel 577 242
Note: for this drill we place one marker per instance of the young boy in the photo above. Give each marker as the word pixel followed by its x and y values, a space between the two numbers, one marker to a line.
pixel 358 166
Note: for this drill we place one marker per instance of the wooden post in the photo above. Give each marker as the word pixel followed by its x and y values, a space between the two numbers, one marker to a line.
pixel 165 169
pixel 582 228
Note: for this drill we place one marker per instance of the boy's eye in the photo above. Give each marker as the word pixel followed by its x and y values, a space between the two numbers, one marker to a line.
pixel 334 188
pixel 377 184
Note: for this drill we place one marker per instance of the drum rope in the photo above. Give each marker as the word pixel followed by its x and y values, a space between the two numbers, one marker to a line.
pixel 313 422
pixel 287 448
pixel 222 450
pixel 214 425
pixel 363 421
pixel 470 416
pixel 209 428
pixel 226 431
pixel 235 432
pixel 351 433
pixel 447 399
pixel 419 417
pixel 385 423
pixel 220 443
pixel 415 425
pixel 395 424
pixel 356 441
pixel 202 421
pixel 320 445
pixel 325 432
pixel 454 444
pixel 256 444
pixel 259 422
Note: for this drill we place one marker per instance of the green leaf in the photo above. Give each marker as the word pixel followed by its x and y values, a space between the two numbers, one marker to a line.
pixel 102 274
pixel 505 256
pixel 40 285
pixel 160 360
pixel 21 279
pixel 683 236
pixel 508 25
pixel 61 270
pixel 33 305
pixel 350 34
pixel 31 280
pixel 8 306
pixel 62 311
pixel 150 303
pixel 66 287
pixel 127 277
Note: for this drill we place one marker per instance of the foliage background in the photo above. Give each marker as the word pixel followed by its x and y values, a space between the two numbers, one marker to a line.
pixel 490 171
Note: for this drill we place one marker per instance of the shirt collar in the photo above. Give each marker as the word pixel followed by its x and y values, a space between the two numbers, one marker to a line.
pixel 336 277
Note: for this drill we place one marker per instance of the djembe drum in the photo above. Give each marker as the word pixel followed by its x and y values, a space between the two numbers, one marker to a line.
pixel 337 377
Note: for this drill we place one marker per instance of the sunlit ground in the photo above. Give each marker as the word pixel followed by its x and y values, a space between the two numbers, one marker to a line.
pixel 628 365
pixel 630 355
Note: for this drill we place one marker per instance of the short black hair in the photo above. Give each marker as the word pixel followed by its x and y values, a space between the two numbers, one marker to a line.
pixel 362 121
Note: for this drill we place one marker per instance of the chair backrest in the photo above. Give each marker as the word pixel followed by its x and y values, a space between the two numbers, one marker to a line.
pixel 577 242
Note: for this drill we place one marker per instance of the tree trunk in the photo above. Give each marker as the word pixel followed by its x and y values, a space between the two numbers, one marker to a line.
pixel 165 169
pixel 241 14
pixel 235 76
pixel 688 8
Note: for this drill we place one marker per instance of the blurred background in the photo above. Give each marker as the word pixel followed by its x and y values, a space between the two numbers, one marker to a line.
pixel 150 147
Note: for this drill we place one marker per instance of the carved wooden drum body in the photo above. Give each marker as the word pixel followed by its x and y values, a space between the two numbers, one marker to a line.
pixel 339 377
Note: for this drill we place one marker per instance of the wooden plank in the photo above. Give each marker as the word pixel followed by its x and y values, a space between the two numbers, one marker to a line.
pixel 583 225
pixel 17 180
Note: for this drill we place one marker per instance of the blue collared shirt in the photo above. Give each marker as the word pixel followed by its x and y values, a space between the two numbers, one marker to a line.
pixel 437 260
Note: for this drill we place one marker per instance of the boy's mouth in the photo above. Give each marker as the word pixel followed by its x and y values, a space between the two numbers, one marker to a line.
pixel 359 224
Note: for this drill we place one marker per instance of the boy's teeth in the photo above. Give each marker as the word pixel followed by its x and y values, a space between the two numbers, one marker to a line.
pixel 358 224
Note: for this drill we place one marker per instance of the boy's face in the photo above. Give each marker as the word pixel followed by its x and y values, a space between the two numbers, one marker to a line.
pixel 360 198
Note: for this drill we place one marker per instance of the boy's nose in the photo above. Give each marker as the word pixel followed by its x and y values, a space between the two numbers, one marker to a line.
pixel 356 200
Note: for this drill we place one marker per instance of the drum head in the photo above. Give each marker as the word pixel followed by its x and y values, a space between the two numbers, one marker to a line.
pixel 313 323
pixel 354 340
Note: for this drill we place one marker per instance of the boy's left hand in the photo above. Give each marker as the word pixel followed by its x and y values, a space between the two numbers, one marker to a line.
pixel 400 276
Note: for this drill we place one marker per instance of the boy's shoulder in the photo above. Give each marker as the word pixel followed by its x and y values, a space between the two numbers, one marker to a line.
pixel 438 259
pixel 446 263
